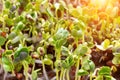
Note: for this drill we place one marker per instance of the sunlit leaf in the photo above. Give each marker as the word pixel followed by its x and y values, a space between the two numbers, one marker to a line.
pixel 104 70
pixel 77 33
pixel 106 43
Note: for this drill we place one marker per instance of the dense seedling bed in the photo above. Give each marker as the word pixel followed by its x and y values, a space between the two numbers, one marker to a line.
pixel 59 40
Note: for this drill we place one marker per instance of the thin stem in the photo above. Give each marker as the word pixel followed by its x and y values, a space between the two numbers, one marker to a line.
pixel 25 65
pixel 6 45
pixel 68 78
pixel 5 75
pixel 64 74
pixel 44 71
pixel 56 10
pixel 77 68
pixel 57 74
pixel 58 54
pixel 57 58
pixel 30 76
pixel 76 40
pixel 83 40
pixel 61 74
pixel 90 75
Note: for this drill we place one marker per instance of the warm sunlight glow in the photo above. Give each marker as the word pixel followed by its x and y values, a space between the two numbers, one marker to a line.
pixel 99 3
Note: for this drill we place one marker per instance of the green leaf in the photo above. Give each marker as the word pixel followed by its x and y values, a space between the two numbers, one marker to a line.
pixel 77 33
pixel 2 40
pixel 8 52
pixel 106 43
pixel 116 60
pixel 12 35
pixel 58 64
pixel 65 51
pixel 92 65
pixel 88 65
pixel 19 26
pixel 75 12
pixel 82 72
pixel 18 67
pixel 108 77
pixel 104 71
pixel 21 54
pixel 65 65
pixel 34 74
pixel 28 6
pixel 20 19
pixel 60 42
pixel 68 62
pixel 7 64
pixel 83 50
pixel 7 4
pixel 47 61
pixel 9 22
pixel 15 39
pixel 60 37
pixel 7 67
pixel 61 34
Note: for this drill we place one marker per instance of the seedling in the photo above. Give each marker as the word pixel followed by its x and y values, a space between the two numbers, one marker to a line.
pixel 80 32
